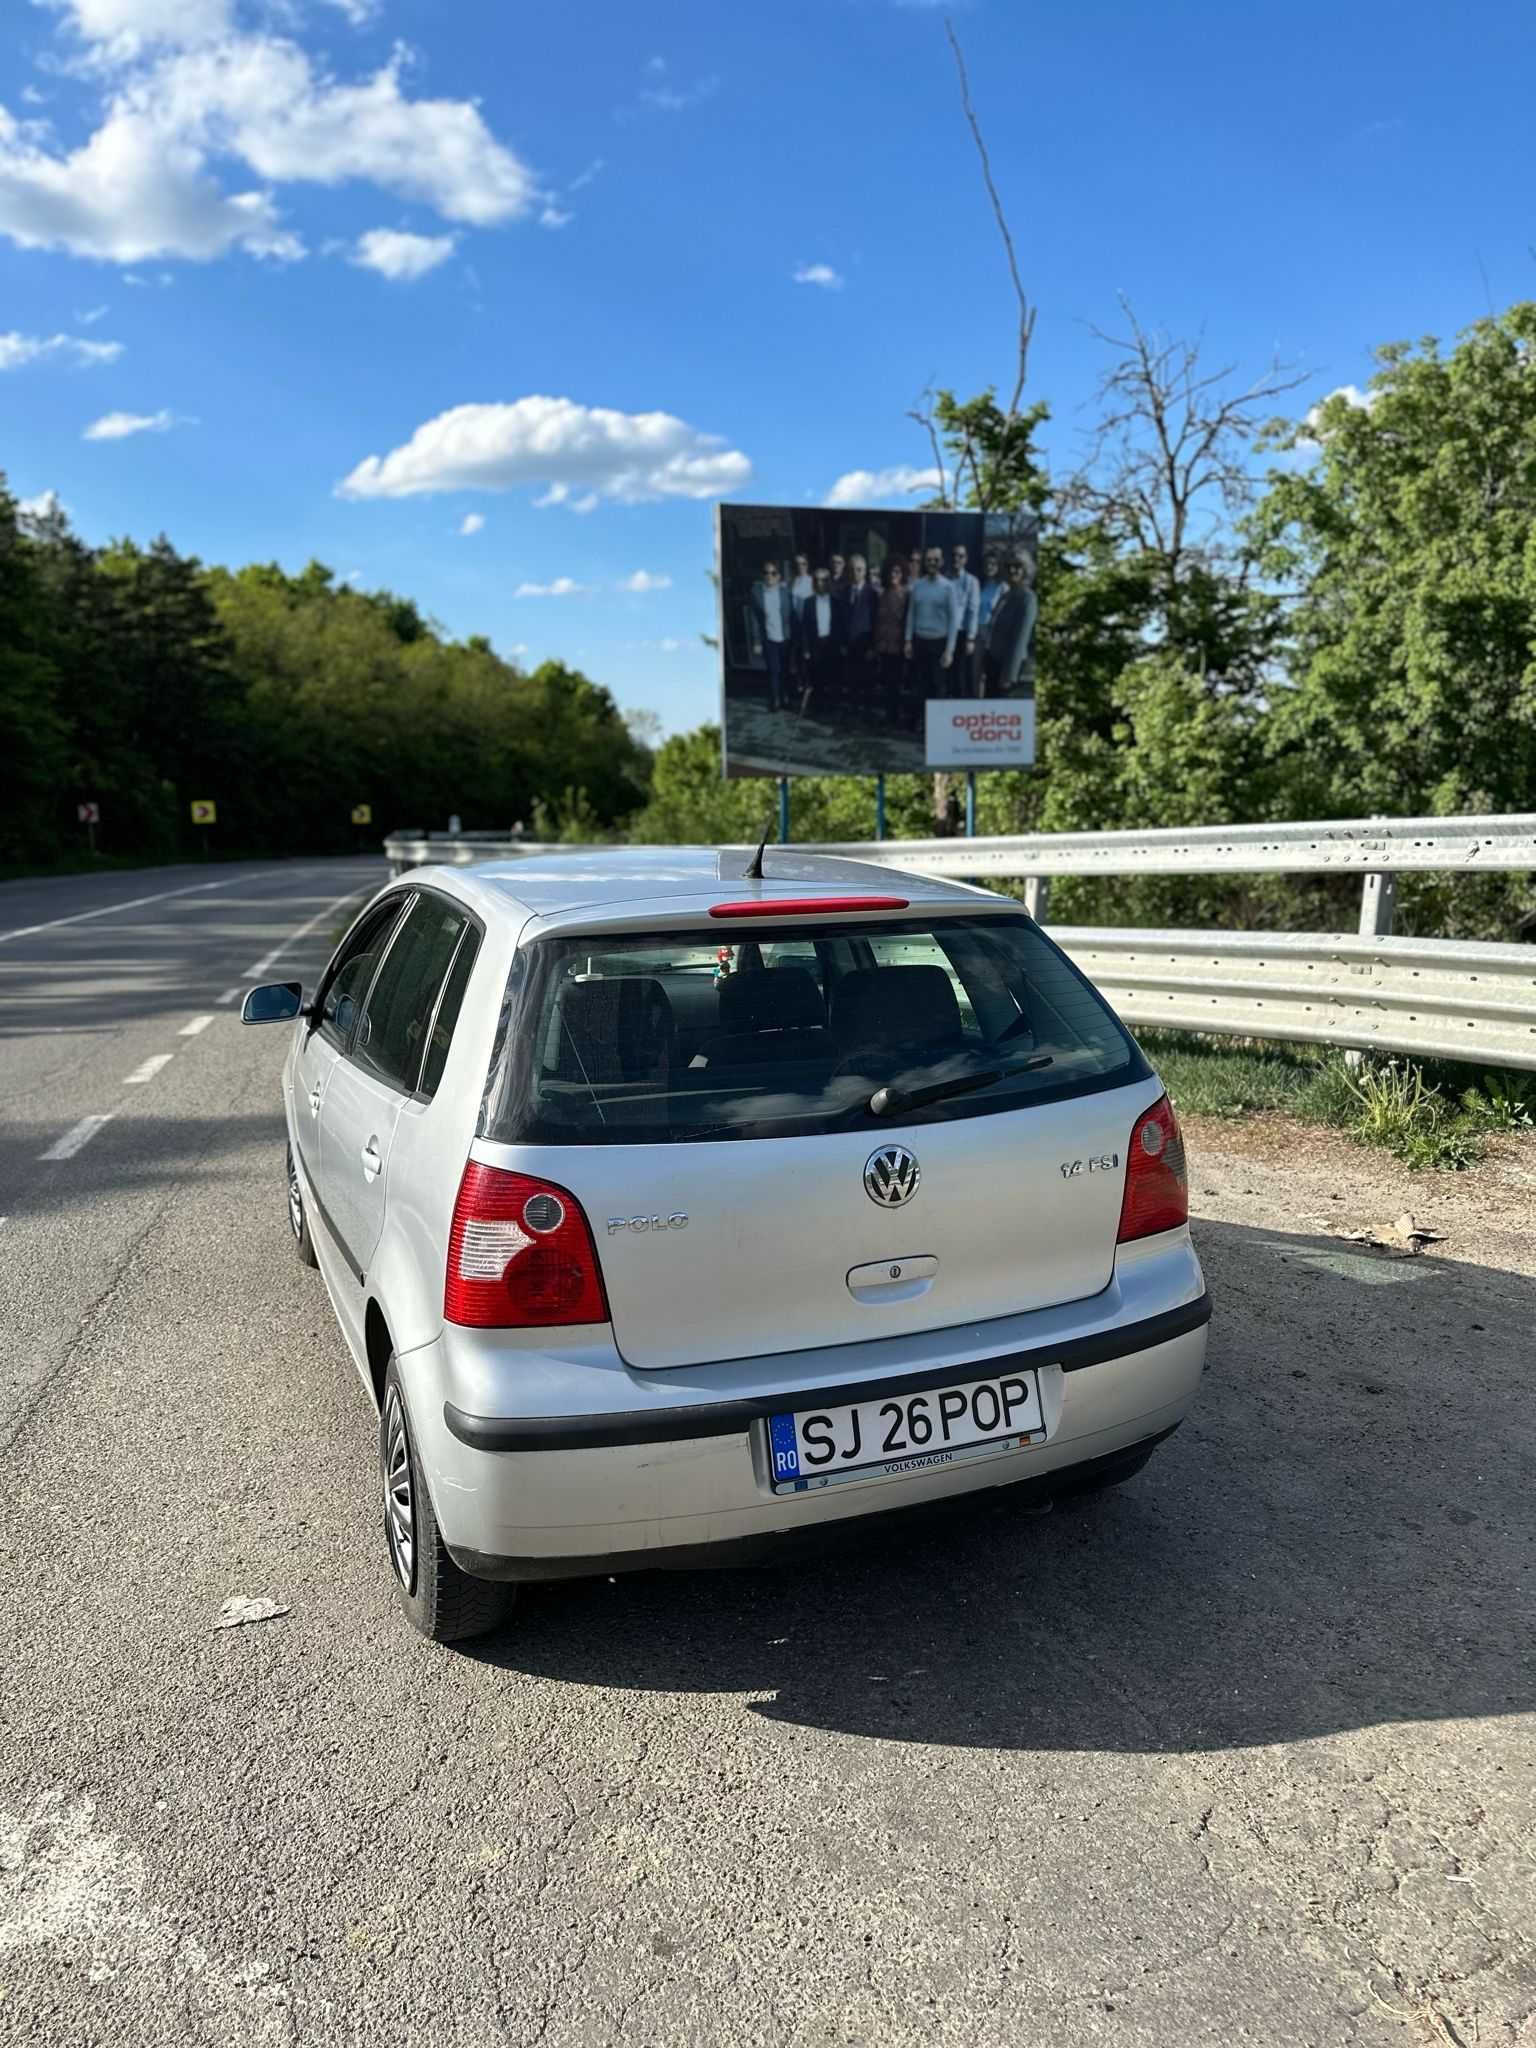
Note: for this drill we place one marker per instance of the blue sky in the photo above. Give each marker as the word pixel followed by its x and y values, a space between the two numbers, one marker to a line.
pixel 335 277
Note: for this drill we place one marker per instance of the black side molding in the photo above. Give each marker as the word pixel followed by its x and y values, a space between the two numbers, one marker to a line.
pixel 730 1418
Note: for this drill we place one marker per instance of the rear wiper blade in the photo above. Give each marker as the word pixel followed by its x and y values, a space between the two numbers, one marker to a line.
pixel 893 1101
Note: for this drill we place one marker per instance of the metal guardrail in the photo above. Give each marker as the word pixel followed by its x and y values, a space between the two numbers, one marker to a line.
pixel 1432 998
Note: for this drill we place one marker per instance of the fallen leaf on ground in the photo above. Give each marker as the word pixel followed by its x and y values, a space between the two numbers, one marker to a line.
pixel 240 1608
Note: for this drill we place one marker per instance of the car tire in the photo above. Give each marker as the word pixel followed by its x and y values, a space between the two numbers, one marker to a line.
pixel 298 1215
pixel 443 1603
pixel 1092 1484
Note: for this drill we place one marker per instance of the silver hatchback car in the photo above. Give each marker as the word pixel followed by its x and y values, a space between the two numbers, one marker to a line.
pixel 672 1212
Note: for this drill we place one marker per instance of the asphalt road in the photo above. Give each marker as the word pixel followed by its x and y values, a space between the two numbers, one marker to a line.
pixel 1242 1753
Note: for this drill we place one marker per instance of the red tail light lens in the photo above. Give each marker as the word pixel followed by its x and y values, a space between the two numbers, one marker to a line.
pixel 520 1255
pixel 1156 1183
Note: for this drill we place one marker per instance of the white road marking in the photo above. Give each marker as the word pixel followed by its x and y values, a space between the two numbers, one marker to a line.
pixel 229 995
pixel 25 931
pixel 197 1024
pixel 265 964
pixel 76 1140
pixel 148 1071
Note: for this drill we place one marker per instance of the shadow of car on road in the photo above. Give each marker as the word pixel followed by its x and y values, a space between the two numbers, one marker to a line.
pixel 1342 1535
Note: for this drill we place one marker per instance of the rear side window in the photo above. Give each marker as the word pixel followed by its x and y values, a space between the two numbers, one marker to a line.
pixel 441 1035
pixel 391 1040
pixel 794 1031
pixel 352 970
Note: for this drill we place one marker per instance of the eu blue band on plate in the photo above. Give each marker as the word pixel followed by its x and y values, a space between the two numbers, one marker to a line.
pixel 782 1447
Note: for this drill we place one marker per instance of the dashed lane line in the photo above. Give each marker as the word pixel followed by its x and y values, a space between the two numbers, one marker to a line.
pixel 76 1140
pixel 229 995
pixel 265 964
pixel 148 1070
pixel 197 1024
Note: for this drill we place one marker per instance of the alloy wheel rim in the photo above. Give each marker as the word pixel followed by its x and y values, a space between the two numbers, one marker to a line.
pixel 399 1499
pixel 295 1201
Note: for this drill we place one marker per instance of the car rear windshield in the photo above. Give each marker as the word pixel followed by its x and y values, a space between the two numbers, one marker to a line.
pixel 654 1037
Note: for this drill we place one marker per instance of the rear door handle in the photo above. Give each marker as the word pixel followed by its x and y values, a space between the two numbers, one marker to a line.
pixel 373 1159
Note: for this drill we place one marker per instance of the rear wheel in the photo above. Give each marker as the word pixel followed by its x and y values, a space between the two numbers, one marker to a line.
pixel 298 1220
pixel 447 1605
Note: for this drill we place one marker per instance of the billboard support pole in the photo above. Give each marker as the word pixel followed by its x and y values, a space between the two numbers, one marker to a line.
pixel 783 810
pixel 970 803
pixel 879 806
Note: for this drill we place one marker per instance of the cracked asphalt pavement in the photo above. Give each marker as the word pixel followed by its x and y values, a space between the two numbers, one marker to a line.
pixel 1242 1752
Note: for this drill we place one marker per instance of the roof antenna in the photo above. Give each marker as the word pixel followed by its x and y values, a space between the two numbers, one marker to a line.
pixel 754 868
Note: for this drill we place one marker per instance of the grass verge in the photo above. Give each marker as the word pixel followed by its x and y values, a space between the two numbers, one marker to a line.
pixel 1434 1114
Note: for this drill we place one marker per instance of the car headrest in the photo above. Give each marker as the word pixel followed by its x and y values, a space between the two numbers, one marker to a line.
pixel 771 999
pixel 616 1029
pixel 896 1006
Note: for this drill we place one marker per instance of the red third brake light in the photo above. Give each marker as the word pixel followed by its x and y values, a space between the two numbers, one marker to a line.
pixel 801 906
pixel 1156 1184
pixel 520 1255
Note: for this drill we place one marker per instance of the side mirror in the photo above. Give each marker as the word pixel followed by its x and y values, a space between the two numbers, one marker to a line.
pixel 275 1002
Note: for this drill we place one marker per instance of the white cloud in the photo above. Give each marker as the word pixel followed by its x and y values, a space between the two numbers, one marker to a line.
pixel 401 257
pixel 118 426
pixel 627 457
pixel 553 217
pixel 43 506
pixel 593 170
pixel 876 486
pixel 643 580
pixel 361 13
pixel 669 646
pixel 262 101
pixel 17 349
pixel 186 93
pixel 562 586
pixel 124 27
pixel 655 66
pixel 672 99
pixel 131 191
pixel 90 318
pixel 33 97
pixel 819 273
pixel 473 522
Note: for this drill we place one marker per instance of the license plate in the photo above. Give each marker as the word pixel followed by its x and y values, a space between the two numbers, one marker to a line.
pixel 903 1433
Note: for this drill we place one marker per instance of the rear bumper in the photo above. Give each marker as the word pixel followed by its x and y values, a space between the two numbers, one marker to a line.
pixel 627 1470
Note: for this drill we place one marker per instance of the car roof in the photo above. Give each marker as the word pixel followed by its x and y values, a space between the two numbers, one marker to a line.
pixel 646 884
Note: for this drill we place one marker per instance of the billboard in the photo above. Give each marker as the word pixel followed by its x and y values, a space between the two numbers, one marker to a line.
pixel 840 627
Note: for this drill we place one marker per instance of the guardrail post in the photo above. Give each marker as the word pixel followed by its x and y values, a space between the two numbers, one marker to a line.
pixel 1037 893
pixel 1377 900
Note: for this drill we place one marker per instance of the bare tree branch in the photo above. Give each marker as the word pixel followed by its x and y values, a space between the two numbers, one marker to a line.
pixel 1026 310
pixel 922 412
pixel 1171 443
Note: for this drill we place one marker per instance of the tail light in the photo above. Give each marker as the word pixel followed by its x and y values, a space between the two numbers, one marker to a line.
pixel 520 1255
pixel 1156 1183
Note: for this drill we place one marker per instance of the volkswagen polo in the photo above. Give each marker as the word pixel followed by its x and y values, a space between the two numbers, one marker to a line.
pixel 675 1205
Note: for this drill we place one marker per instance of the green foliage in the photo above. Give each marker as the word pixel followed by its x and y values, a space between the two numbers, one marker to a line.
pixel 135 677
pixel 690 804
pixel 1411 541
pixel 1395 1103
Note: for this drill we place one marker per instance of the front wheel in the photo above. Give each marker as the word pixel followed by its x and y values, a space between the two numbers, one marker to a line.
pixel 445 1604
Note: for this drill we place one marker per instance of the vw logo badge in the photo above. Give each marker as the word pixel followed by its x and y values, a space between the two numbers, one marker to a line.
pixel 891 1176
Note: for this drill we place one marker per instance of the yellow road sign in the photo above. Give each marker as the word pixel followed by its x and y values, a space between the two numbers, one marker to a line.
pixel 362 814
pixel 204 811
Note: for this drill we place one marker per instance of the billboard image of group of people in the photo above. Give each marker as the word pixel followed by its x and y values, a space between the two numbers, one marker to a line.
pixel 840 628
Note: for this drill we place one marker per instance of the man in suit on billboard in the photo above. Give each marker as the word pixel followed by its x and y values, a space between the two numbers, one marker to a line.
pixel 962 677
pixel 773 629
pixel 821 649
pixel 857 609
